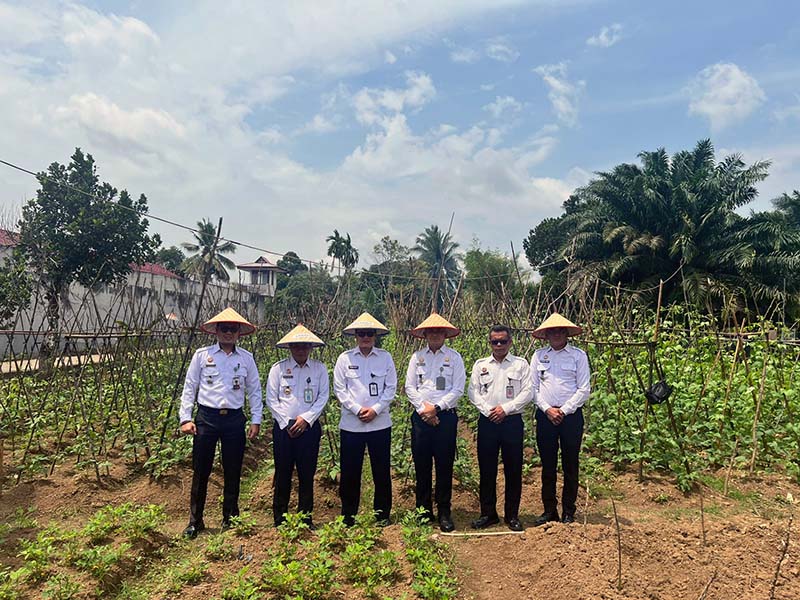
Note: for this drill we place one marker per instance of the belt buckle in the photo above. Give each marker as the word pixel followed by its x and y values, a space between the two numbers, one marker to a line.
pixel 223 411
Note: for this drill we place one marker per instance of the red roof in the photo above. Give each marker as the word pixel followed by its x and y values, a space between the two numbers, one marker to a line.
pixel 8 238
pixel 155 269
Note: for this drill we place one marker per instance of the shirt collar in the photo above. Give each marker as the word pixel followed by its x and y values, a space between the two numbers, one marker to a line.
pixel 217 348
pixel 297 365
pixel 429 351
pixel 566 348
pixel 357 350
pixel 506 358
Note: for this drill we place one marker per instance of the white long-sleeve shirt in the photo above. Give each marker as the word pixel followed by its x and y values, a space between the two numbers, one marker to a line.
pixel 424 367
pixel 365 382
pixel 220 380
pixel 506 383
pixel 561 379
pixel 297 391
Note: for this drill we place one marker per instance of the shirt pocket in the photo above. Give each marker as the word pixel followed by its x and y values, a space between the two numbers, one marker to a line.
pixel 485 381
pixel 569 369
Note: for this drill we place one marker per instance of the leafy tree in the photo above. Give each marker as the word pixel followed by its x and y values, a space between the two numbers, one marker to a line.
pixel 305 292
pixel 438 251
pixel 172 258
pixel 672 216
pixel 292 265
pixel 15 288
pixel 490 272
pixel 194 266
pixel 341 248
pixel 79 229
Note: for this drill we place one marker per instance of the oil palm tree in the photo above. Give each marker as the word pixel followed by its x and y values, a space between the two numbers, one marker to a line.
pixel 437 250
pixel 194 266
pixel 340 247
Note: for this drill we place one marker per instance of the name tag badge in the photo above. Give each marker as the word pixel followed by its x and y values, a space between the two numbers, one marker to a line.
pixel 440 381
pixel 237 384
pixel 373 389
pixel 308 395
pixel 509 392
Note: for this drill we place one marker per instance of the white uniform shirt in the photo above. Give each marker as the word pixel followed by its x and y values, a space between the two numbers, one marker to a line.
pixel 297 391
pixel 506 384
pixel 365 381
pixel 219 380
pixel 560 378
pixel 425 367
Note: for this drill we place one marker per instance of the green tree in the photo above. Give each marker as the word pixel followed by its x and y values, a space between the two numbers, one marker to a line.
pixel 669 218
pixel 79 229
pixel 490 272
pixel 304 293
pixel 194 266
pixel 15 289
pixel 291 265
pixel 341 248
pixel 439 252
pixel 172 258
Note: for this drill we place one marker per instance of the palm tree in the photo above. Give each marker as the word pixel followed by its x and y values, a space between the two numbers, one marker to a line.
pixel 641 224
pixel 205 236
pixel 341 248
pixel 438 251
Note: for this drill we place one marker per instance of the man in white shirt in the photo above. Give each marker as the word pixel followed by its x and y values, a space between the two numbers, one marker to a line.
pixel 561 381
pixel 434 382
pixel 219 378
pixel 297 392
pixel 500 387
pixel 365 382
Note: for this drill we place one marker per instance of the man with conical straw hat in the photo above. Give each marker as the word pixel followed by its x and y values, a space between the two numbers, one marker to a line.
pixel 220 377
pixel 434 382
pixel 297 392
pixel 560 374
pixel 365 382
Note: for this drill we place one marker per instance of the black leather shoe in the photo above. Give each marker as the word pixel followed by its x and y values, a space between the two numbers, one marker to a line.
pixel 446 523
pixel 485 521
pixel 568 518
pixel 545 517
pixel 226 524
pixel 192 530
pixel 514 525
pixel 349 520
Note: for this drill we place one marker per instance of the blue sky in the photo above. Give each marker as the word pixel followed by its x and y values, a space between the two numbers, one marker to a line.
pixel 290 119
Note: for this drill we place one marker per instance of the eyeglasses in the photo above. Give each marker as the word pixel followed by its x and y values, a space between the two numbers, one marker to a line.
pixel 228 328
pixel 499 342
pixel 368 333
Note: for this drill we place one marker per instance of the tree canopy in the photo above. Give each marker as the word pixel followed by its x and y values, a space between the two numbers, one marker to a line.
pixel 204 253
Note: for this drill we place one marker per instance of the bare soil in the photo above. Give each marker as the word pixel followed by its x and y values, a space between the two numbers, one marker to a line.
pixel 663 555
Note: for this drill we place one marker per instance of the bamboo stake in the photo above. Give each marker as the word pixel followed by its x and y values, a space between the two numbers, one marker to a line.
pixel 619 545
pixel 784 550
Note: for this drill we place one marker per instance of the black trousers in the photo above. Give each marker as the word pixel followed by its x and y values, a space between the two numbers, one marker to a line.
pixel 228 429
pixel 549 437
pixel 353 444
pixel 301 452
pixel 429 444
pixel 504 438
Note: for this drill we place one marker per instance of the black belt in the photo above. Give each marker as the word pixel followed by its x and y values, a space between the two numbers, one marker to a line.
pixel 219 411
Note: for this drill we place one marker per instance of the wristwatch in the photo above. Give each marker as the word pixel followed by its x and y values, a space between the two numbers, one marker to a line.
pixel 438 409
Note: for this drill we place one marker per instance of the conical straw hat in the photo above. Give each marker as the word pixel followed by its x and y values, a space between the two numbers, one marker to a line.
pixel 435 321
pixel 555 321
pixel 366 321
pixel 228 316
pixel 299 335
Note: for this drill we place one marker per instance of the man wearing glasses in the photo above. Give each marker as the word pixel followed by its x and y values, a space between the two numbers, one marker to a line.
pixel 297 392
pixel 434 382
pixel 561 380
pixel 365 381
pixel 219 377
pixel 500 388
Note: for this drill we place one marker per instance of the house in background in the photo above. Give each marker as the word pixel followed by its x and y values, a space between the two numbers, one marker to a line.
pixel 263 276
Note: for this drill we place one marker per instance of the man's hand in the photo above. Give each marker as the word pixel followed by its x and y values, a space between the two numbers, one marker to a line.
pixel 252 431
pixel 367 414
pixel 189 428
pixel 497 415
pixel 428 413
pixel 555 415
pixel 299 427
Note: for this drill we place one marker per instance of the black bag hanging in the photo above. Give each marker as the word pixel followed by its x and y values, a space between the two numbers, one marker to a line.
pixel 659 391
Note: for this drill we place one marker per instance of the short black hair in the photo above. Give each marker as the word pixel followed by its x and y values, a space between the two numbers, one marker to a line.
pixel 501 329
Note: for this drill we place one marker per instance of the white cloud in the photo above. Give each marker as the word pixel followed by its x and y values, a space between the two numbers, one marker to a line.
pixel 499 49
pixel 372 104
pixel 607 37
pixel 487 87
pixel 788 112
pixel 503 105
pixel 724 94
pixel 319 124
pixel 464 55
pixel 563 94
pixel 389 58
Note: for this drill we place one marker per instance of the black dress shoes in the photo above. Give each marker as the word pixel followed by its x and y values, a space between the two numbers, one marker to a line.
pixel 485 521
pixel 568 518
pixel 545 517
pixel 514 525
pixel 192 530
pixel 446 523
